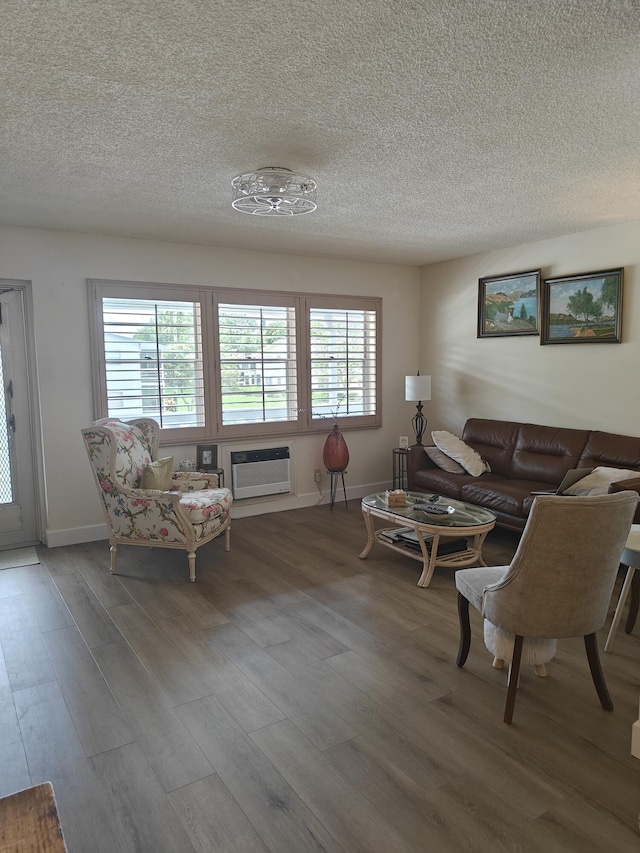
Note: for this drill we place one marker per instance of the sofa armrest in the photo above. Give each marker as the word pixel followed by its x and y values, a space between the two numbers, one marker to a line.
pixel 417 460
pixel 632 485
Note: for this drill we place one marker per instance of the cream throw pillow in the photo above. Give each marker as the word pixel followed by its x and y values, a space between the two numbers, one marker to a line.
pixel 599 480
pixel 456 449
pixel 443 461
pixel 158 474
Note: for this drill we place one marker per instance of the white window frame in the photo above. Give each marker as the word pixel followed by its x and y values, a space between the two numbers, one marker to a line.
pixel 209 299
pixel 264 299
pixel 346 303
pixel 99 290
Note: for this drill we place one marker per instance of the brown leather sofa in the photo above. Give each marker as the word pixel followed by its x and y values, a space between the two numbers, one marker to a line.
pixel 523 458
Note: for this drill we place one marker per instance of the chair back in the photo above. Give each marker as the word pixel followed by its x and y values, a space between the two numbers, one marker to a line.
pixel 560 580
pixel 118 451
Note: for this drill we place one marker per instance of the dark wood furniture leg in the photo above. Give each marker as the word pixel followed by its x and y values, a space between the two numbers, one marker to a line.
pixel 591 645
pixel 465 630
pixel 514 674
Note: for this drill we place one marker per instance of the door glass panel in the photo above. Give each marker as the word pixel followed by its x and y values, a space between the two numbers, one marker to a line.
pixel 6 483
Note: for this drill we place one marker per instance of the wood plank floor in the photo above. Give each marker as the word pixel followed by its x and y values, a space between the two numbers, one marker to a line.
pixel 297 698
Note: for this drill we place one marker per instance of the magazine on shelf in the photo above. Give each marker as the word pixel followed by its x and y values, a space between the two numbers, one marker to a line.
pixel 407 536
pixel 403 534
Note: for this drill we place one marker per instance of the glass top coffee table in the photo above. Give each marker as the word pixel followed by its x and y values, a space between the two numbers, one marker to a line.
pixel 424 526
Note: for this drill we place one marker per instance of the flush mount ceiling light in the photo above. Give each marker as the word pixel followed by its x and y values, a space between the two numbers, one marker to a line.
pixel 274 191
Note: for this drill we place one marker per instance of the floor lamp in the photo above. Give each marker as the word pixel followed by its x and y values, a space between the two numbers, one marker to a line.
pixel 416 389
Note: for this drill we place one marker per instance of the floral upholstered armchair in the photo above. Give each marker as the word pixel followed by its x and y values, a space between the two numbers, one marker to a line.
pixel 192 512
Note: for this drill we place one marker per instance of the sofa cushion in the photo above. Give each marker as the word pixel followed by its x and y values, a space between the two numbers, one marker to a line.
pixel 437 481
pixel 207 504
pixel 457 449
pixel 505 496
pixel 493 440
pixel 609 449
pixel 439 458
pixel 546 453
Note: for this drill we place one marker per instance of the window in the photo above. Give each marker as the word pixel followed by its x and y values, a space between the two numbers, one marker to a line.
pixel 214 364
pixel 258 364
pixel 149 356
pixel 343 347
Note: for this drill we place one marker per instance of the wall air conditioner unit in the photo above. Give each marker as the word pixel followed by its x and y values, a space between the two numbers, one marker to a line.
pixel 255 473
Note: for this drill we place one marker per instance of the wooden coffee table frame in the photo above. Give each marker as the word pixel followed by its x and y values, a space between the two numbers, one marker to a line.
pixel 472 555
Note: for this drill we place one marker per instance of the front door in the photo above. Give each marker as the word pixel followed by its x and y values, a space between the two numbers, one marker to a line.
pixel 18 524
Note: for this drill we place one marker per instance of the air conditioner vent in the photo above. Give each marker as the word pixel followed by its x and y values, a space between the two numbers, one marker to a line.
pixel 255 473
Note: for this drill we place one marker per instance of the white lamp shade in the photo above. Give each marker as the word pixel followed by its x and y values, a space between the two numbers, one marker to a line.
pixel 417 388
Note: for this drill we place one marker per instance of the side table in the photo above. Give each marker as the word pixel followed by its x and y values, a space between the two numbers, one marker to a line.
pixel 630 558
pixel 29 821
pixel 399 458
pixel 218 471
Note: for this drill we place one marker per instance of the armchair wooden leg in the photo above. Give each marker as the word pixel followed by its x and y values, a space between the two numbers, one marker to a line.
pixel 192 566
pixel 591 645
pixel 227 538
pixel 465 630
pixel 114 557
pixel 514 674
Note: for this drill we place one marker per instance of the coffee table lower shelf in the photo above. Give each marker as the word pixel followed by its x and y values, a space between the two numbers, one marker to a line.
pixel 428 554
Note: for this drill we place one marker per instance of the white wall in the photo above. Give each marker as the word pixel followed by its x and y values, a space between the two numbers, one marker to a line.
pixel 429 321
pixel 591 386
pixel 58 264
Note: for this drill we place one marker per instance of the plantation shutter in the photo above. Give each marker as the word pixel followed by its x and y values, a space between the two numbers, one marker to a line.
pixel 153 360
pixel 233 363
pixel 344 363
pixel 258 363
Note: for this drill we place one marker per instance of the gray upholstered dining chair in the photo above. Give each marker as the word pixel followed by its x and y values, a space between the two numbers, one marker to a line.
pixel 559 582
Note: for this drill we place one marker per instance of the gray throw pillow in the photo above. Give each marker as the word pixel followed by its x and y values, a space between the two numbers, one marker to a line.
pixel 443 461
pixel 599 480
pixel 458 450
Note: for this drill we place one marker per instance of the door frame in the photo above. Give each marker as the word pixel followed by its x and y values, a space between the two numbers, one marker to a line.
pixel 35 425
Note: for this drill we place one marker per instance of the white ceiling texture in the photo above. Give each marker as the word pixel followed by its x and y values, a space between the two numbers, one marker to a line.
pixel 433 129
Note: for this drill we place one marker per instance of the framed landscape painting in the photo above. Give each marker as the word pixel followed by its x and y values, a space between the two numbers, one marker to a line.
pixel 509 304
pixel 582 309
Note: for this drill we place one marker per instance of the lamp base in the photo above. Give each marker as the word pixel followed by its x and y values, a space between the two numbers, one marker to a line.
pixel 419 423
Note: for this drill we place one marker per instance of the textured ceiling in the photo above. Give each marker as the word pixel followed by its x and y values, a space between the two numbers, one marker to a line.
pixel 433 129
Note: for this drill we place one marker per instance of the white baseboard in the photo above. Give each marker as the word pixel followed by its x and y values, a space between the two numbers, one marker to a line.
pixel 280 503
pixel 76 535
pixel 240 509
